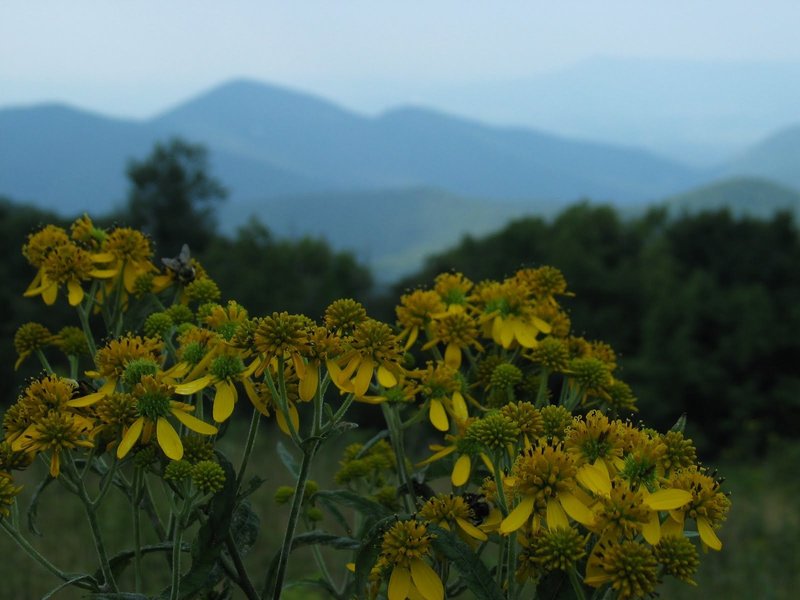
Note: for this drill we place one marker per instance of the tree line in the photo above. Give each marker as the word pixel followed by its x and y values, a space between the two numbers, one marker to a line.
pixel 704 310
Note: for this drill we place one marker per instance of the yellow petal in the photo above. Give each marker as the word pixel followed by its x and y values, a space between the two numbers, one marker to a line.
pixel 191 387
pixel 439 454
pixel 363 377
pixel 224 401
pixel 399 582
pixel 438 416
pixel 130 437
pixel 426 580
pixel 129 275
pixel 336 374
pixel 672 527
pixel 667 499
pixel 386 378
pixel 518 517
pixel 74 292
pixel 412 337
pixel 101 257
pixel 193 422
pixel 49 294
pixel 542 326
pixel 556 517
pixel 299 365
pixel 525 334
pixel 87 400
pixel 168 439
pixel 471 530
pixel 707 534
pixel 103 273
pixel 506 333
pixel 576 509
pixel 594 478
pixel 459 407
pixel 652 529
pixel 461 470
pixel 452 356
pixel 308 384
pixel 55 463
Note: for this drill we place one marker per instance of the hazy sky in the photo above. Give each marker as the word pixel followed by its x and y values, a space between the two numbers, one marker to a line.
pixel 134 58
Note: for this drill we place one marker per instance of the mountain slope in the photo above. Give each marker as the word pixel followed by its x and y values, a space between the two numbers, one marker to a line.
pixel 777 158
pixel 743 196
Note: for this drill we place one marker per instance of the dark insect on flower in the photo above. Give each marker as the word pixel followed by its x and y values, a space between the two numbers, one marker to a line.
pixel 181 265
pixel 82 388
pixel 479 506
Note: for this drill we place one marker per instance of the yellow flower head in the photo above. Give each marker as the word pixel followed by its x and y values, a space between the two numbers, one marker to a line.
pixel 416 311
pixel 629 567
pixel 405 547
pixel 131 254
pixel 454 289
pixel 29 338
pixel 68 265
pixel 226 320
pixel 594 437
pixel 543 282
pixel 547 550
pixel 83 231
pixel 621 514
pixel 454 513
pixel 708 506
pixel 8 493
pixel 55 432
pixel 41 243
pixel 154 404
pixel 113 358
pixel 457 331
pixel 344 315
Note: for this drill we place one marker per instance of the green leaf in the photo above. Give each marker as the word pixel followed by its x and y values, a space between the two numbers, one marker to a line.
pixel 331 507
pixel 119 596
pixel 288 460
pixel 555 586
pixel 680 424
pixel 251 486
pixel 321 583
pixel 245 527
pixel 384 433
pixel 368 508
pixel 472 570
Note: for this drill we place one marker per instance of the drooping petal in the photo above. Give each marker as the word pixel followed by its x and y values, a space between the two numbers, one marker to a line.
pixel 224 401
pixel 506 333
pixel 459 407
pixel 541 325
pixel 191 387
pixel 471 530
pixel 426 580
pixel 671 527
pixel 525 334
pixel 194 423
pixel 168 439
pixel 707 534
pixel 399 582
pixel 412 337
pixel 667 499
pixel 461 470
pixel 50 293
pixel 129 275
pixel 438 415
pixel 308 384
pixel 55 463
pixel 594 478
pixel 576 509
pixel 74 292
pixel 452 356
pixel 386 378
pixel 556 517
pixel 519 516
pixel 652 529
pixel 130 437
pixel 363 377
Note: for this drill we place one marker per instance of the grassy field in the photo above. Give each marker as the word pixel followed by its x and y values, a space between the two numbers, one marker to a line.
pixel 760 558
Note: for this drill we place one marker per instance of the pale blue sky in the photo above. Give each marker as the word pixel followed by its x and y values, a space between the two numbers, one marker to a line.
pixel 134 58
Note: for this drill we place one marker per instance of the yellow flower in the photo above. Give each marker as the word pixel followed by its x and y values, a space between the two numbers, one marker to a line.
pixel 405 547
pixel 452 513
pixel 154 404
pixel 224 371
pixel 374 349
pixel 457 331
pixel 113 359
pixel 55 432
pixel 29 338
pixel 708 506
pixel 67 265
pixel 416 311
pixel 453 289
pixel 508 314
pixel 128 253
pixel 440 384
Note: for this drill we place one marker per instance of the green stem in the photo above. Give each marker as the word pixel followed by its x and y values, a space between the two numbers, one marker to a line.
pixel 91 516
pixel 280 396
pixel 511 564
pixel 73 366
pixel 138 489
pixel 297 502
pixel 43 359
pixel 243 579
pixel 541 396
pixel 394 424
pixel 320 560
pixel 248 448
pixel 577 586
pixel 35 555
pixel 176 561
pixel 87 331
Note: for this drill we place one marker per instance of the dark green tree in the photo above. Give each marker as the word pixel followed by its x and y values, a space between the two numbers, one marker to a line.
pixel 172 197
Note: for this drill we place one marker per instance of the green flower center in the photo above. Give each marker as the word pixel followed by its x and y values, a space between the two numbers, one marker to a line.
pixel 153 405
pixel 226 366
pixel 138 368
